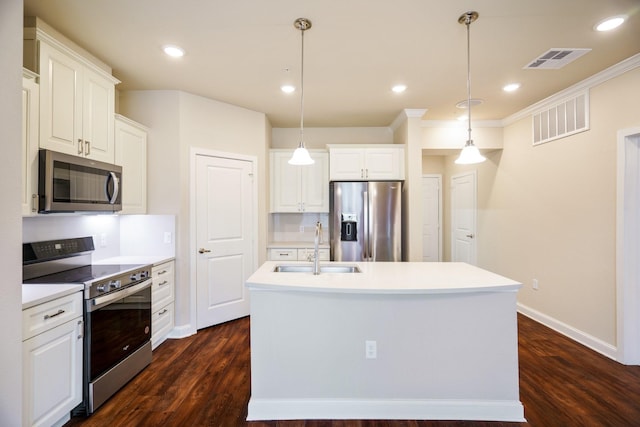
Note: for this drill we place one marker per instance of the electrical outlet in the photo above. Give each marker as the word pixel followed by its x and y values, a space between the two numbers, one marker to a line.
pixel 534 284
pixel 302 228
pixel 167 237
pixel 103 240
pixel 370 350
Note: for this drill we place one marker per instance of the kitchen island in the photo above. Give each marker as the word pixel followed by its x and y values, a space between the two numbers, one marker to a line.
pixel 392 341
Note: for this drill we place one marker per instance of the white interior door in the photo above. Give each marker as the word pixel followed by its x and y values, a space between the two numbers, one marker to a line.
pixel 431 218
pixel 463 218
pixel 224 237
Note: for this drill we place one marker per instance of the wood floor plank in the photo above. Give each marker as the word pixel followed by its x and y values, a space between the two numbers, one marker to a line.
pixel 204 380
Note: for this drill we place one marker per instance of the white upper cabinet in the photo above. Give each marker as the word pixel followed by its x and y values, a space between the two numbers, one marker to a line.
pixel 299 188
pixel 366 163
pixel 77 96
pixel 131 154
pixel 29 160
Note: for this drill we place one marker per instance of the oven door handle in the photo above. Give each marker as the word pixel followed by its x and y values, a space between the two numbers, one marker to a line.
pixel 115 296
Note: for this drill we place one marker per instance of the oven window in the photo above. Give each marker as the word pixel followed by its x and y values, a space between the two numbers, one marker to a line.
pixel 117 330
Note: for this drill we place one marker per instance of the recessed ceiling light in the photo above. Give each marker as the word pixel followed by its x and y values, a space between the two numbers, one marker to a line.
pixel 399 88
pixel 610 23
pixel 173 51
pixel 511 87
pixel 288 88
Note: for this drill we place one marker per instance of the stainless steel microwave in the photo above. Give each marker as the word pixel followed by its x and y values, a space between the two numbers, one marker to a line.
pixel 69 183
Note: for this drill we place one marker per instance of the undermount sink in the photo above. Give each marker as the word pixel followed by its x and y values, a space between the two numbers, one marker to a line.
pixel 323 269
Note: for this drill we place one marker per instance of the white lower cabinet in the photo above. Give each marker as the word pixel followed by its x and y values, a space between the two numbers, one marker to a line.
pixel 162 297
pixel 293 254
pixel 52 360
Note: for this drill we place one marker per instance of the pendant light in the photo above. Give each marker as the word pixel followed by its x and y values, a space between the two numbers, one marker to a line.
pixel 301 154
pixel 470 153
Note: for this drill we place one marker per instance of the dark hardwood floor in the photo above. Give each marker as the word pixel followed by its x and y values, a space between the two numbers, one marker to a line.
pixel 204 380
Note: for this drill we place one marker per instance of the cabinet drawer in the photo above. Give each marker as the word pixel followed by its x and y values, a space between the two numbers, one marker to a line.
pixel 42 317
pixel 307 254
pixel 283 254
pixel 162 322
pixel 163 289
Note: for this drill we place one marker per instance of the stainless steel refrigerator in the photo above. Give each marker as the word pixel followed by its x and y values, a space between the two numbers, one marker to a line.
pixel 365 221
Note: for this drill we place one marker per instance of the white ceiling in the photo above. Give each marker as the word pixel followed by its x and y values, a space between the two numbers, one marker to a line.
pixel 242 51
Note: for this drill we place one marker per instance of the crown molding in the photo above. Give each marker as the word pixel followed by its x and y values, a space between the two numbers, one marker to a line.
pixel 460 124
pixel 407 113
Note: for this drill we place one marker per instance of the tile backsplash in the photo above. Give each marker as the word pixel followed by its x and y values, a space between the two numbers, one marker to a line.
pixel 113 235
pixel 297 227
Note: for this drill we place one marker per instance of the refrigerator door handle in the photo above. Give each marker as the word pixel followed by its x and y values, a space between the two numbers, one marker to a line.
pixel 365 231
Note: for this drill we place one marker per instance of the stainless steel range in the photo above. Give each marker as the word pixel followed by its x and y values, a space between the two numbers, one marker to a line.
pixel 117 312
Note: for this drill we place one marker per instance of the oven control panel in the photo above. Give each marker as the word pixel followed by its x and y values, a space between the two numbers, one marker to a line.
pixel 115 283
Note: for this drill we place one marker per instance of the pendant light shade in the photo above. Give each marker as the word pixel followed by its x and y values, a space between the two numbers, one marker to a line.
pixel 301 154
pixel 470 153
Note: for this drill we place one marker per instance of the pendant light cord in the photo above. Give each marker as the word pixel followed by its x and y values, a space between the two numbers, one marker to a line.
pixel 468 24
pixel 302 29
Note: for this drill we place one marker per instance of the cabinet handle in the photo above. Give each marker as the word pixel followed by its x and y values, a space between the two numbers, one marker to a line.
pixel 162 272
pixel 163 283
pixel 366 173
pixel 88 148
pixel 285 254
pixel 34 203
pixel 203 250
pixel 80 146
pixel 302 204
pixel 361 173
pixel 80 330
pixel 50 316
pixel 162 312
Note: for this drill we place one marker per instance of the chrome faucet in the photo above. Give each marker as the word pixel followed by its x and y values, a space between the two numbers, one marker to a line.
pixel 316 243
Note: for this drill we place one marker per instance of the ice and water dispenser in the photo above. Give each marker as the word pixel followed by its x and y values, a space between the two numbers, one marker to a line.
pixel 349 227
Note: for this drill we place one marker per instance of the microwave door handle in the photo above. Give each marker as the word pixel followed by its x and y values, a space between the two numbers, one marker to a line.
pixel 116 187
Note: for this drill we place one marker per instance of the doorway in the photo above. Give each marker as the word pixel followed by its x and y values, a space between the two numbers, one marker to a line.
pixel 224 236
pixel 463 217
pixel 628 247
pixel 432 218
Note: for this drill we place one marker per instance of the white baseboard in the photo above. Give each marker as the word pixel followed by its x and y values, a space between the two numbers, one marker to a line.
pixel 181 332
pixel 577 335
pixel 389 409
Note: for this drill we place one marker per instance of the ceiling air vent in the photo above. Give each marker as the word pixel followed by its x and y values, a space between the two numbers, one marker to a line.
pixel 555 59
pixel 563 119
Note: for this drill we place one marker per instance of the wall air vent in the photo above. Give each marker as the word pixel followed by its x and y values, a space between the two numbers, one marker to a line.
pixel 554 59
pixel 563 119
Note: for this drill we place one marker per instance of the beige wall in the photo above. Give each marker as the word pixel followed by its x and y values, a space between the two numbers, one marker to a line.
pixel 320 137
pixel 178 122
pixel 10 214
pixel 548 212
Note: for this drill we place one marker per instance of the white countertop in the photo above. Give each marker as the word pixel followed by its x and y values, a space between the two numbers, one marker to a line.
pixel 385 278
pixel 33 295
pixel 37 294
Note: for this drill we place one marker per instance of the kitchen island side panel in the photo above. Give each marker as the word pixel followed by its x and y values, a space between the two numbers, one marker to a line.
pixel 310 347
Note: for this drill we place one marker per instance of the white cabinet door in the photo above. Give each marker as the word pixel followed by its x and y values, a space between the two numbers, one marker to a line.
pixel 346 164
pixel 30 111
pixel 77 105
pixel 382 163
pixel 299 188
pixel 52 374
pixel 97 117
pixel 131 154
pixel 60 101
pixel 285 183
pixel 315 184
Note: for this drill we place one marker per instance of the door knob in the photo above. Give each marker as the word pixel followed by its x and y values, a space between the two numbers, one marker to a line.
pixel 203 250
pixel 470 236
